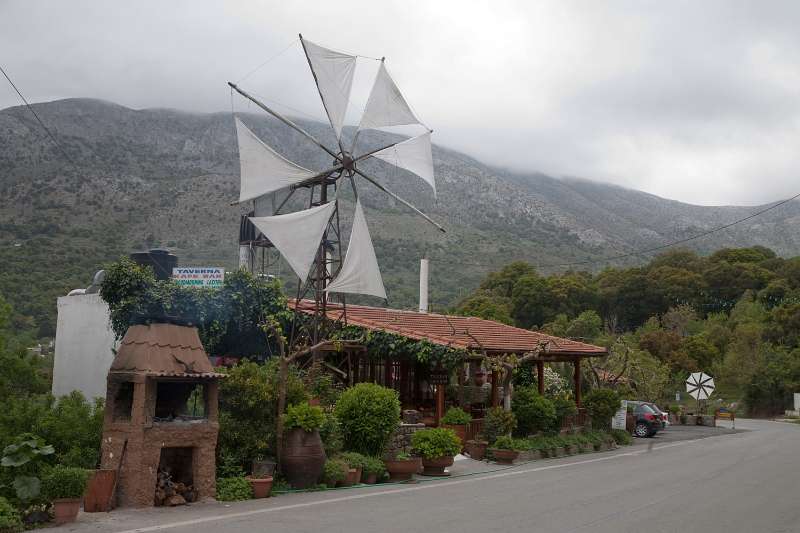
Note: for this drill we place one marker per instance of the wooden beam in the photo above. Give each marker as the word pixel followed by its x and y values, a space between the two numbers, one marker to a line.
pixel 439 403
pixel 577 378
pixel 540 376
pixel 495 388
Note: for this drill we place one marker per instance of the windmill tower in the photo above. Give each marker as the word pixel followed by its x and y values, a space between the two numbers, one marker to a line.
pixel 310 239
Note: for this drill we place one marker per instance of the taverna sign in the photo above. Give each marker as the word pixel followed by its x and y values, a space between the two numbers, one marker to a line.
pixel 198 276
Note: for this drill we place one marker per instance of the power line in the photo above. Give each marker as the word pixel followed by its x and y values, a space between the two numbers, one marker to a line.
pixel 38 119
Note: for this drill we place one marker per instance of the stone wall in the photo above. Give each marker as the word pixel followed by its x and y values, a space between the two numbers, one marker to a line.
pixel 401 438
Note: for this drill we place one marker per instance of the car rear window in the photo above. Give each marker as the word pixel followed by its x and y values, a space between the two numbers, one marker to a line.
pixel 646 409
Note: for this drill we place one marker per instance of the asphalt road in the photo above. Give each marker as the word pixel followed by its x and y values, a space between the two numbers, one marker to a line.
pixel 743 482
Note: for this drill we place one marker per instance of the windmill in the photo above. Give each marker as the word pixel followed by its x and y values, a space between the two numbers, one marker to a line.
pixel 310 240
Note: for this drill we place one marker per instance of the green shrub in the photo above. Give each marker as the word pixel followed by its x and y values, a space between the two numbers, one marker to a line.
pixel 64 482
pixel 324 388
pixel 304 416
pixel 373 465
pixel 505 442
pixel 622 437
pixel 334 471
pixel 353 459
pixel 498 422
pixel 456 416
pixel 331 434
pixel 565 406
pixel 10 520
pixel 248 405
pixel 368 415
pixel 233 488
pixel 23 463
pixel 433 443
pixel 601 404
pixel 534 412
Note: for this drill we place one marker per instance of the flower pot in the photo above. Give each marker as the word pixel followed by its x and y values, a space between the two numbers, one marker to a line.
pixel 370 479
pixel 436 466
pixel 587 447
pixel 529 455
pixel 460 430
pixel 402 470
pixel 353 477
pixel 476 449
pixel 99 490
pixel 262 487
pixel 570 449
pixel 263 468
pixel 314 402
pixel 559 452
pixel 505 457
pixel 303 458
pixel 66 510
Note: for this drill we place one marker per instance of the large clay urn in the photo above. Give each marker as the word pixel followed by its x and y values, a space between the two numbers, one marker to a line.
pixel 303 458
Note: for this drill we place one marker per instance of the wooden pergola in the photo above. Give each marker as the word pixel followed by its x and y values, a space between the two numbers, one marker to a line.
pixel 485 338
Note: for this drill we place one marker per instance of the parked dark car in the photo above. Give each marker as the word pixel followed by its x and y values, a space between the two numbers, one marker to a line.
pixel 662 416
pixel 647 421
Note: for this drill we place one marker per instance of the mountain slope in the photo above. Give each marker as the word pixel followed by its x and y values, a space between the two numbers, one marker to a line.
pixel 160 177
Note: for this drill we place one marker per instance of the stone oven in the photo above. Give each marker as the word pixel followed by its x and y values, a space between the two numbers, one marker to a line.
pixel 161 417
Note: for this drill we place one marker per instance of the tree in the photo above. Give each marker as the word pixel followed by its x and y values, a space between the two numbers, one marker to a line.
pixel 483 304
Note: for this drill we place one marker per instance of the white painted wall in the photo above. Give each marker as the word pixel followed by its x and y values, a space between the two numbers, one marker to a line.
pixel 84 346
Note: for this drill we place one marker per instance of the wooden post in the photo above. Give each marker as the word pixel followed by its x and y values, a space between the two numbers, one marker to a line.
pixel 495 388
pixel 439 403
pixel 387 373
pixel 540 376
pixel 577 376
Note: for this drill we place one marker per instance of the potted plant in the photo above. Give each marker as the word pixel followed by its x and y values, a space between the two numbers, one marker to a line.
pixel 263 467
pixel 504 450
pixel 373 470
pixel 402 467
pixel 355 463
pixel 303 454
pixel 437 447
pixel 457 419
pixel 334 472
pixel 64 486
pixel 476 448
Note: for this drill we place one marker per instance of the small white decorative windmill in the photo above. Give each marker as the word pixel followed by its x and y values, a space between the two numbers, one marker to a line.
pixel 309 240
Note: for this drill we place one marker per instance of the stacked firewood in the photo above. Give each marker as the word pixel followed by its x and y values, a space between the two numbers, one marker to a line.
pixel 170 493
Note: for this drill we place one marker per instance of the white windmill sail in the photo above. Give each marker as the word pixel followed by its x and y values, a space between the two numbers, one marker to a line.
pixel 297 235
pixel 333 72
pixel 413 155
pixel 386 105
pixel 262 169
pixel 359 273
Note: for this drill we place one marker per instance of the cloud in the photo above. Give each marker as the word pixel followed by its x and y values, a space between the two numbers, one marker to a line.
pixel 687 100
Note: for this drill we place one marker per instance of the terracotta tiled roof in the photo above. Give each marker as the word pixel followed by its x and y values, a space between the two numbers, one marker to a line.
pixel 457 331
pixel 163 350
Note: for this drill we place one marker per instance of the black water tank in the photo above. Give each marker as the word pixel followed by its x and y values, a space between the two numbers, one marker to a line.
pixel 161 261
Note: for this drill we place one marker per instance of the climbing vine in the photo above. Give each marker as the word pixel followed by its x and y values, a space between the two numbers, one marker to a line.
pixel 228 318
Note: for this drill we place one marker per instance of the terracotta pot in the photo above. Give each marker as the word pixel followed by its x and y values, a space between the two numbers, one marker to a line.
pixel 66 510
pixel 559 452
pixel 477 449
pixel 570 449
pixel 303 458
pixel 587 447
pixel 460 430
pixel 505 457
pixel 370 479
pixel 99 490
pixel 353 477
pixel 262 486
pixel 402 470
pixel 436 466
pixel 314 402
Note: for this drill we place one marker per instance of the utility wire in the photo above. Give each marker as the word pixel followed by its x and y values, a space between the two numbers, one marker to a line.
pixel 38 119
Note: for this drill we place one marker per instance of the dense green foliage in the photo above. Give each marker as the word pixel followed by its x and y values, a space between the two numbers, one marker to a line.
pixel 368 415
pixel 353 459
pixel 601 404
pixel 10 520
pixel 432 443
pixel 622 437
pixel 734 314
pixel 456 416
pixel 373 465
pixel 228 318
pixel 498 422
pixel 331 434
pixel 64 482
pixel 534 412
pixel 304 416
pixel 233 489
pixel 248 402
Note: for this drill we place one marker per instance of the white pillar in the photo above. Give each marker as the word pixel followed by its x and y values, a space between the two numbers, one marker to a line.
pixel 245 258
pixel 423 285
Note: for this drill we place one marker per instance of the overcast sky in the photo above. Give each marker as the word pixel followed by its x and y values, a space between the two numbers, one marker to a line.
pixel 695 101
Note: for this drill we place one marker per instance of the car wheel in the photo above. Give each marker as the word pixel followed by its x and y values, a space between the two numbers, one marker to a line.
pixel 641 430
